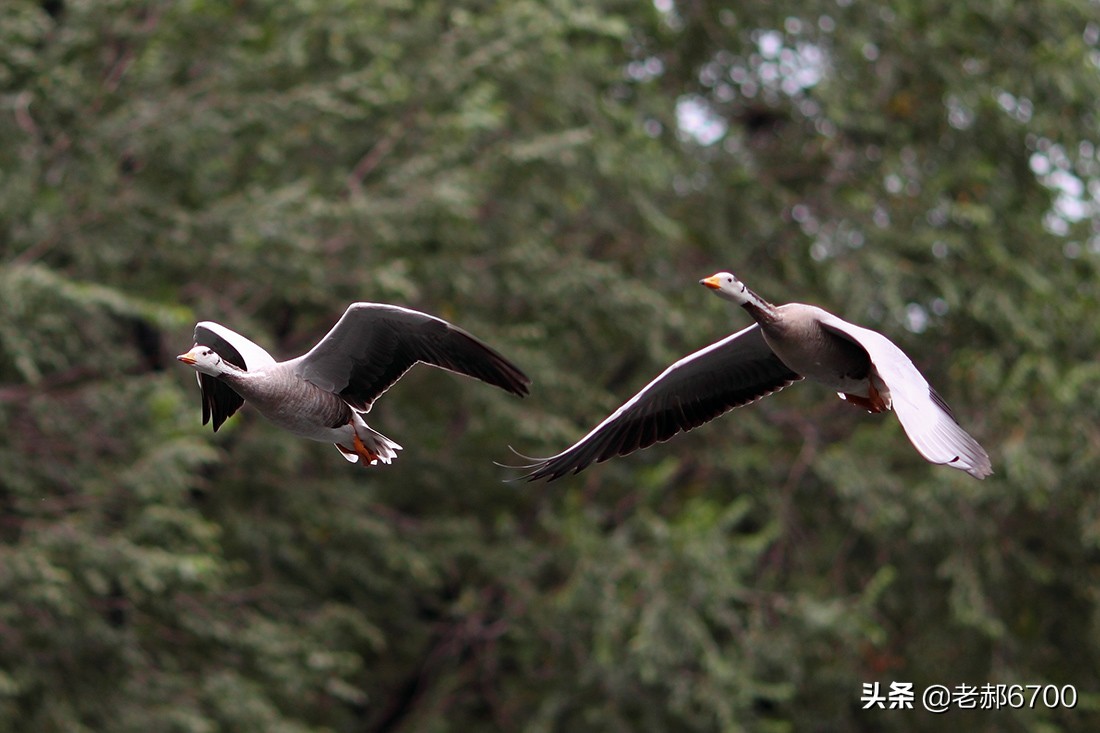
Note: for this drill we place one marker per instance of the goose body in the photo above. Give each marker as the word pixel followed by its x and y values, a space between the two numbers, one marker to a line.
pixel 326 393
pixel 787 343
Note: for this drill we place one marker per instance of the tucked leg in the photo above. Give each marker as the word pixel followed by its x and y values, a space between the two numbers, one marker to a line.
pixel 369 457
pixel 873 402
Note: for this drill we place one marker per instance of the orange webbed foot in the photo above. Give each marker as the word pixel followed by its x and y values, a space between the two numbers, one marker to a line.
pixel 369 457
pixel 874 402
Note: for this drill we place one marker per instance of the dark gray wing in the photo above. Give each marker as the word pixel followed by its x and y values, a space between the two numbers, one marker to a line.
pixel 373 345
pixel 219 400
pixel 698 388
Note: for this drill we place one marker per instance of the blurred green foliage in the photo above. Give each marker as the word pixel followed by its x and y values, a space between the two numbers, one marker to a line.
pixel 554 177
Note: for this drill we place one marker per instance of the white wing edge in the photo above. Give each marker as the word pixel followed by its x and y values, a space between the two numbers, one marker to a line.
pixel 254 355
pixel 932 430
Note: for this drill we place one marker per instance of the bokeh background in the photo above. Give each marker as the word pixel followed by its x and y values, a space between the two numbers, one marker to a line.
pixel 555 177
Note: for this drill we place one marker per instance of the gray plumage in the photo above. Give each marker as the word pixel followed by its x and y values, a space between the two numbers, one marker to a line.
pixel 324 394
pixel 787 343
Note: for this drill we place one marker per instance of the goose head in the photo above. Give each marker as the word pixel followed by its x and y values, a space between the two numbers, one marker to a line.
pixel 204 359
pixel 725 285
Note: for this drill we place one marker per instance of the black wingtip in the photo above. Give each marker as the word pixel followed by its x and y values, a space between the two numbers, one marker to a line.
pixel 514 381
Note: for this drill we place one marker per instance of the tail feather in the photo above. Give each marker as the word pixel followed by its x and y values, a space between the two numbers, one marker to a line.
pixel 368 444
pixel 347 453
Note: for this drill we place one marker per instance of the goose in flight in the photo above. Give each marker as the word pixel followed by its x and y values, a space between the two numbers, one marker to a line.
pixel 326 393
pixel 787 343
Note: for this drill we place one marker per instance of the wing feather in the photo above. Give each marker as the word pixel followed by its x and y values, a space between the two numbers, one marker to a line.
pixel 696 389
pixel 373 345
pixel 924 415
pixel 219 400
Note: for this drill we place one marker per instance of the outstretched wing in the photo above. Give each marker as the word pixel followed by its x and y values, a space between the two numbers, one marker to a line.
pixel 696 389
pixel 925 417
pixel 373 345
pixel 219 401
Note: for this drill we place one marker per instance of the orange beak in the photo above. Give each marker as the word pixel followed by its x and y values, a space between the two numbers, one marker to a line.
pixel 187 358
pixel 711 282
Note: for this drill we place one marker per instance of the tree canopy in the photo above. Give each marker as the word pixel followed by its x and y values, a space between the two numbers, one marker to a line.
pixel 553 177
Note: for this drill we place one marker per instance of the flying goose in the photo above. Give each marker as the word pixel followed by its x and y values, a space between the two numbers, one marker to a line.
pixel 787 343
pixel 325 394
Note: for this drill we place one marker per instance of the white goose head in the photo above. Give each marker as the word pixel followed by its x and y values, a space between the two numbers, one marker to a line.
pixel 725 285
pixel 205 360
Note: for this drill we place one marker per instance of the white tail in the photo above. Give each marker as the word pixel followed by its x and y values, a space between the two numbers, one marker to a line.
pixel 368 444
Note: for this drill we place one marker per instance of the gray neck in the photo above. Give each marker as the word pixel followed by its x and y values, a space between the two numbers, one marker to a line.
pixel 232 372
pixel 234 375
pixel 761 310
